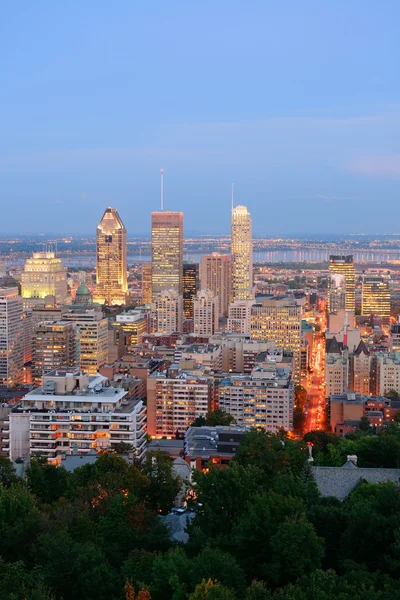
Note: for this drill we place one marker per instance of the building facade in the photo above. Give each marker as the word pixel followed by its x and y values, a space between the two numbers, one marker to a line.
pixel 375 298
pixel 11 337
pixel 111 269
pixel 134 324
pixel 190 287
pixel 167 252
pixel 239 316
pixel 241 254
pixel 55 346
pixel 147 286
pixel 342 267
pixel 169 312
pixel 215 275
pixel 205 313
pixel 44 275
pixel 93 335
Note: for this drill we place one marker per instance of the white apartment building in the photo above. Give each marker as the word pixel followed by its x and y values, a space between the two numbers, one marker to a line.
pixel 239 316
pixel 239 352
pixel 175 399
pixel 262 399
pixel 205 312
pixel 73 411
pixel 11 337
pixel 207 355
pixel 169 312
pixel 387 373
pixel 93 330
pixel 336 374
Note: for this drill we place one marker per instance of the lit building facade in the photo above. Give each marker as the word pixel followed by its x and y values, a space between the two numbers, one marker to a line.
pixel 342 266
pixel 387 373
pixel 239 316
pixel 74 412
pixel 11 337
pixel 205 313
pixel 93 334
pixel 190 287
pixel 241 254
pixel 169 312
pixel 134 323
pixel 55 346
pixel 111 269
pixel 375 299
pixel 44 275
pixel 215 275
pixel 167 252
pixel 147 286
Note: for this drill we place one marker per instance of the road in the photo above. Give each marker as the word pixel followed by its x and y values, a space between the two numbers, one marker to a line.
pixel 315 385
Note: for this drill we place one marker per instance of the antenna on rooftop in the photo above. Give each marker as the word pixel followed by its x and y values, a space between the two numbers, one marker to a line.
pixel 162 188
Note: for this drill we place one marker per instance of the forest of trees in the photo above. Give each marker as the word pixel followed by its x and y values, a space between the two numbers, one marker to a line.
pixel 260 530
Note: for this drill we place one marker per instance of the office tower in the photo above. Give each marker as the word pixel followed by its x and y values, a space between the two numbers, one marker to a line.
pixel 337 292
pixel 175 398
pixel 11 337
pixel 190 287
pixel 169 312
pixel 205 313
pixel 55 346
pixel 263 399
pixel 44 275
pixel 241 254
pixel 167 252
pixel 74 412
pixel 93 334
pixel 239 316
pixel 111 269
pixel 395 337
pixel 27 332
pixel 278 320
pixel 375 299
pixel 342 265
pixel 135 325
pixel 215 275
pixel 147 287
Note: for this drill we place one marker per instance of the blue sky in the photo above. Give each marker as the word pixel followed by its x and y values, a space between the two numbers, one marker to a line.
pixel 297 103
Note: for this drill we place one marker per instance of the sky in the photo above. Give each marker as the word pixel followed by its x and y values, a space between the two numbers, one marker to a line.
pixel 297 103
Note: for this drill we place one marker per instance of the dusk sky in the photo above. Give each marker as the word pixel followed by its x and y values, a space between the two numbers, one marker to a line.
pixel 296 102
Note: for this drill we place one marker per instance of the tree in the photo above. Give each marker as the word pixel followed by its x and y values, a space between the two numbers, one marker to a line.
pixel 365 424
pixel 392 395
pixel 122 448
pixel 164 486
pixel 213 563
pixel 300 396
pixel 299 419
pixel 7 471
pixel 18 584
pixel 257 591
pixel 219 417
pixel 19 522
pixel 46 481
pixel 212 590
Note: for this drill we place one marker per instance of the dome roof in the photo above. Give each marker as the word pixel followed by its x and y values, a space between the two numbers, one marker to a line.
pixel 83 290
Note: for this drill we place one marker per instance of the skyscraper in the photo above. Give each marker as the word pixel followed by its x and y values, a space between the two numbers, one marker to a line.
pixel 205 313
pixel 55 345
pixel 11 337
pixel 111 271
pixel 375 299
pixel 215 275
pixel 44 275
pixel 190 287
pixel 342 266
pixel 93 333
pixel 169 311
pixel 167 252
pixel 241 254
pixel 147 287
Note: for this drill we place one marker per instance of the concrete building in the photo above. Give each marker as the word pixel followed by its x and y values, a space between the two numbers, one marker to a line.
pixel 387 373
pixel 239 316
pixel 147 286
pixel 212 446
pixel 395 337
pixel 74 412
pixel 47 310
pixel 167 252
pixel 215 275
pixel 111 269
pixel 205 313
pixel 191 286
pixel 262 399
pixel 93 333
pixel 342 275
pixel 345 408
pixel 207 355
pixel 239 352
pixel 116 346
pixel 134 323
pixel 44 275
pixel 55 345
pixel 375 298
pixel 360 370
pixel 169 311
pixel 241 254
pixel 11 337
pixel 278 320
pixel 175 399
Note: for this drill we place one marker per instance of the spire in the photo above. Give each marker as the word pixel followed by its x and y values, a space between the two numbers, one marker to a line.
pixel 162 188
pixel 232 197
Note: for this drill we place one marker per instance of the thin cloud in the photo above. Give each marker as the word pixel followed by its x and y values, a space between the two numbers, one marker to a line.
pixel 376 166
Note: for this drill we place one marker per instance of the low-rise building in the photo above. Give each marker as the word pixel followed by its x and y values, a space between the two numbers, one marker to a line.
pixel 212 446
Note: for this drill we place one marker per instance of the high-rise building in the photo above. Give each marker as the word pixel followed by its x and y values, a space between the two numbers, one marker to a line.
pixel 341 266
pixel 215 275
pixel 44 275
pixel 175 398
pixel 278 320
pixel 147 286
pixel 190 287
pixel 93 333
pixel 74 412
pixel 375 299
pixel 111 269
pixel 395 337
pixel 167 252
pixel 169 312
pixel 241 254
pixel 263 399
pixel 239 316
pixel 11 337
pixel 55 346
pixel 134 323
pixel 360 370
pixel 205 313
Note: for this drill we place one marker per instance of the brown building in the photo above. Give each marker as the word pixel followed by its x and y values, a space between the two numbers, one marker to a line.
pixel 147 286
pixel 345 410
pixel 55 346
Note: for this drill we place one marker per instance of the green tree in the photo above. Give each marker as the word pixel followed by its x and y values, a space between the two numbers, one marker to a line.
pixel 213 563
pixel 365 424
pixel 18 584
pixel 163 484
pixel 300 396
pixel 212 590
pixel 392 395
pixel 19 522
pixel 218 417
pixel 7 471
pixel 257 591
pixel 46 481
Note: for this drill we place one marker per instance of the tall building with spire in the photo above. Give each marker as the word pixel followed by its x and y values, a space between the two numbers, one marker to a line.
pixel 167 252
pixel 241 254
pixel 44 275
pixel 111 270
